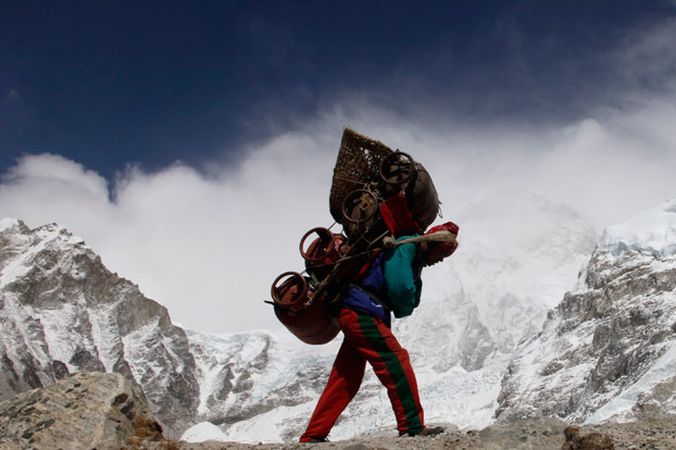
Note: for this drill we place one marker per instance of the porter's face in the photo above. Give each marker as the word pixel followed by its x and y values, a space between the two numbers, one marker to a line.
pixel 433 253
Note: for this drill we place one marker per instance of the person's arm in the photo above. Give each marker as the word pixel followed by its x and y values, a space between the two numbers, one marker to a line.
pixel 400 279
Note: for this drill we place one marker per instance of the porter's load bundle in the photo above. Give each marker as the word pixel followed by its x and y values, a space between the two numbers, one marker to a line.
pixel 376 194
pixel 367 172
pixel 305 303
pixel 310 321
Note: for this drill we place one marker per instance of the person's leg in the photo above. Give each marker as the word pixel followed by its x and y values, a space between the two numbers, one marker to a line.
pixel 344 381
pixel 390 362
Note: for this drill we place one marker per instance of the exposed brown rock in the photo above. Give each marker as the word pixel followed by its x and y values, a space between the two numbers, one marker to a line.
pixel 82 411
pixel 591 441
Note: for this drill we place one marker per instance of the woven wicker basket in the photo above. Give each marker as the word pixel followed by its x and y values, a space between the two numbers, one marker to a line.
pixel 357 167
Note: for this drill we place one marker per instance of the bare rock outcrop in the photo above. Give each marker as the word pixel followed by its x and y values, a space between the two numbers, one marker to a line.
pixel 591 441
pixel 82 411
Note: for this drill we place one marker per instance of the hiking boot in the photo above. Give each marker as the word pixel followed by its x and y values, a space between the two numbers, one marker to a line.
pixel 314 440
pixel 427 431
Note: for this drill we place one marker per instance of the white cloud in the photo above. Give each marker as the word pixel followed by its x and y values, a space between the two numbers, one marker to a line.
pixel 208 246
pixel 50 188
pixel 60 173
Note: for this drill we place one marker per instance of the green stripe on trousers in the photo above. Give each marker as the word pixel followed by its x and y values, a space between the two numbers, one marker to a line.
pixel 394 367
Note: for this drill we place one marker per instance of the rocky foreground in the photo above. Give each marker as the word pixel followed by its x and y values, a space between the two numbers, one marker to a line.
pixel 104 411
pixel 82 411
pixel 529 434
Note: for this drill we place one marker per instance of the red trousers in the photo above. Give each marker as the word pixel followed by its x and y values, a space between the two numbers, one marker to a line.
pixel 367 339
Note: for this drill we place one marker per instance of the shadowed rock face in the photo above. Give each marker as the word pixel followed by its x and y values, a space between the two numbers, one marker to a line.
pixel 62 311
pixel 598 342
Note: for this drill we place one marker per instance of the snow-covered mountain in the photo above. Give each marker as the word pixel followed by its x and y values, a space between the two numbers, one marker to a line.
pixel 62 311
pixel 606 345
pixel 608 350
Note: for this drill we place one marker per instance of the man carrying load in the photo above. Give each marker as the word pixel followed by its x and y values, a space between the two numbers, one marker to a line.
pixel 355 280
pixel 392 284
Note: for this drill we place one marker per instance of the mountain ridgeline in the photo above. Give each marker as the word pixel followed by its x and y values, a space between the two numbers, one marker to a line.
pixel 607 348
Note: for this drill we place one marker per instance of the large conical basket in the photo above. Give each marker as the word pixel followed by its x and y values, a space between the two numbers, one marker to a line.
pixel 357 165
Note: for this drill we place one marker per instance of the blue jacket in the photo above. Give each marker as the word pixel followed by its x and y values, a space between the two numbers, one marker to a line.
pixel 392 283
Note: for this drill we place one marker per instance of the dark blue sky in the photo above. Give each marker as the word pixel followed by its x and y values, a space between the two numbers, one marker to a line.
pixel 112 83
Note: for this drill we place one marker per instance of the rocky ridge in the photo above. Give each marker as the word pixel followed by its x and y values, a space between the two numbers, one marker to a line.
pixel 62 312
pixel 81 411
